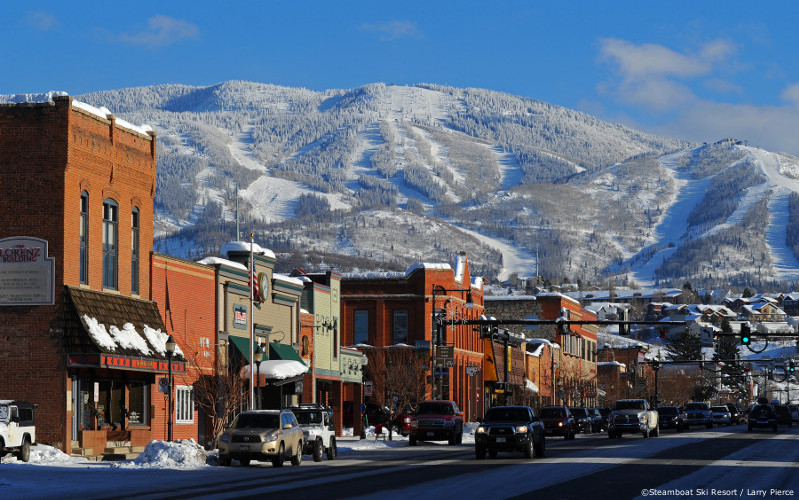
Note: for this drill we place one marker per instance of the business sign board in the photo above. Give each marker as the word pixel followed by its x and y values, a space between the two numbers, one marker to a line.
pixel 26 272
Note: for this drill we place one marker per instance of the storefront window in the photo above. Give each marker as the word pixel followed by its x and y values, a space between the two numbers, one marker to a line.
pixel 137 403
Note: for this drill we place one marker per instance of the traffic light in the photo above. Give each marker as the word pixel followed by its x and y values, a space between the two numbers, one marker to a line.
pixel 746 334
pixel 791 366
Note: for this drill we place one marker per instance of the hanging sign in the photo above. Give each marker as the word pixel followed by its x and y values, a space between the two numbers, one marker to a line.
pixel 26 272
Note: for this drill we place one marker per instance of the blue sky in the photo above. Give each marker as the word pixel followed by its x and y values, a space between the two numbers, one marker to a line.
pixel 697 70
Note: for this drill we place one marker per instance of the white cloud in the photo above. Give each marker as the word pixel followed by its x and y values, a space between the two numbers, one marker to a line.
pixel 791 94
pixel 654 76
pixel 393 30
pixel 161 31
pixel 41 20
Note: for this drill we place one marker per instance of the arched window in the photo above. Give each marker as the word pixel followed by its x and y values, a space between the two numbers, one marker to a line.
pixel 134 257
pixel 110 243
pixel 84 238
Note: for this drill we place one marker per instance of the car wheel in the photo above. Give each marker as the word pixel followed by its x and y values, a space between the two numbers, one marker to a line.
pixel 25 450
pixel 412 440
pixel 749 428
pixel 479 452
pixel 318 450
pixel 529 452
pixel 332 451
pixel 244 461
pixel 710 425
pixel 646 434
pixel 492 453
pixel 453 438
pixel 459 440
pixel 224 460
pixel 297 458
pixel 280 458
pixel 540 448
pixel 610 435
pixel 655 432
pixel 774 428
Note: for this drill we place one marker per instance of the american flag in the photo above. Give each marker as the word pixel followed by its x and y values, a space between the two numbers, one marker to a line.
pixel 256 288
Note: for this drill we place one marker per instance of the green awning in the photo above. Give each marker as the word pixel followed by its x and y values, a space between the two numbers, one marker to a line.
pixel 284 352
pixel 242 344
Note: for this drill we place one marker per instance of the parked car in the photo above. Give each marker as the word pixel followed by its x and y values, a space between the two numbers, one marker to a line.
pixel 783 414
pixel 672 417
pixel 262 435
pixel 582 418
pixel 762 416
pixel 558 421
pixel 17 428
pixel 735 413
pixel 319 433
pixel 436 420
pixel 721 415
pixel 698 413
pixel 510 428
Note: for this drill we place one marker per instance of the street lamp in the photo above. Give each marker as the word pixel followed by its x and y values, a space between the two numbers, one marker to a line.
pixel 437 335
pixel 257 357
pixel 170 351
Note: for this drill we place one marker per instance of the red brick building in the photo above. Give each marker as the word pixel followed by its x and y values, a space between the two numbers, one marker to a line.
pixel 184 292
pixel 396 309
pixel 77 336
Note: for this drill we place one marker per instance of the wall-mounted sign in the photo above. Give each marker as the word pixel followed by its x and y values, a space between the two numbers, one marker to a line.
pixel 26 272
pixel 240 316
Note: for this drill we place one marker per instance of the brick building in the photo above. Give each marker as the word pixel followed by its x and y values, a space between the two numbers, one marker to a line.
pixel 575 363
pixel 76 218
pixel 184 293
pixel 386 313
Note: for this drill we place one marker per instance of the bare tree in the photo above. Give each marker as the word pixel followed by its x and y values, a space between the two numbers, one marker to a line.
pixel 399 376
pixel 220 394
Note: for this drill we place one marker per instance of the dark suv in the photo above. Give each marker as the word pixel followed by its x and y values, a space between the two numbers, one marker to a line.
pixel 558 421
pixel 762 416
pixel 509 428
pixel 436 420
pixel 672 417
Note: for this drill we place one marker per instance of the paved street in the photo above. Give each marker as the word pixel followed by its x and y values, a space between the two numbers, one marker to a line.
pixel 726 461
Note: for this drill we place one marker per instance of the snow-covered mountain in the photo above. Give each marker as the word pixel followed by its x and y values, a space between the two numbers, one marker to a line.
pixel 383 176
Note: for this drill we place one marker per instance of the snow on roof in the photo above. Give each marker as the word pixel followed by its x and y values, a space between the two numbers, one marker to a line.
pixel 278 369
pixel 427 265
pixel 610 363
pixel 288 279
pixel 477 282
pixel 101 112
pixel 128 337
pixel 211 261
pixel 244 246
pixel 538 351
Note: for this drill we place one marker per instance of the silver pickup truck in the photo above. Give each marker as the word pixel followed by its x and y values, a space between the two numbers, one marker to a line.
pixel 632 416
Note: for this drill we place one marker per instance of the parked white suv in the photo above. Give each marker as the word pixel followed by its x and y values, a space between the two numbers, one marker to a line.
pixel 318 430
pixel 17 429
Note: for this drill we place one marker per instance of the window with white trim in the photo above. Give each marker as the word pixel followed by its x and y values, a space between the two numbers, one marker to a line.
pixel 184 404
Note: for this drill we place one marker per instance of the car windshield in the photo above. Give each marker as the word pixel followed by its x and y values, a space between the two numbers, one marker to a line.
pixel 552 413
pixel 3 412
pixel 629 405
pixel 667 410
pixel 579 412
pixel 257 421
pixel 696 406
pixel 721 409
pixel 435 408
pixel 308 417
pixel 506 415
